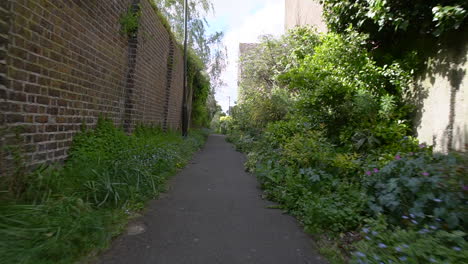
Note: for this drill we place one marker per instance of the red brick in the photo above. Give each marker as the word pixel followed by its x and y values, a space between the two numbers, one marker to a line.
pixel 41 119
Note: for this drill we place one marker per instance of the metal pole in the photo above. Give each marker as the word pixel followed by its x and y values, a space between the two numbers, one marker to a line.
pixel 185 108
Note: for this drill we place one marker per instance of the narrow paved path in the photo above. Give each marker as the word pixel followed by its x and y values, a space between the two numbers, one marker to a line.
pixel 213 213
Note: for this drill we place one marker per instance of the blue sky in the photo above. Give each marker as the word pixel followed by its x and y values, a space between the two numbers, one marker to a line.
pixel 243 21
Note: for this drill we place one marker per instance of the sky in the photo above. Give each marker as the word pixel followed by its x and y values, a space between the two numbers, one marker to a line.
pixel 242 21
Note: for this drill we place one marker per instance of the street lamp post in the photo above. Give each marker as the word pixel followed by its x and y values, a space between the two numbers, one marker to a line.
pixel 184 103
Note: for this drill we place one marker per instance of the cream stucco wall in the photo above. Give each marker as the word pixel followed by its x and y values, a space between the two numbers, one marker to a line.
pixel 442 98
pixel 304 12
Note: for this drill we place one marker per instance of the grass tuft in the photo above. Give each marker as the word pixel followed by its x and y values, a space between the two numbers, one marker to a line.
pixel 66 212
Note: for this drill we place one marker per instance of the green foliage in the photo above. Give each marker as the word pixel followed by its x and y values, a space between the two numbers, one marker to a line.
pixel 448 17
pixel 200 84
pixel 326 134
pixel 385 244
pixel 130 22
pixel 12 180
pixel 399 29
pixel 342 89
pixel 209 48
pixel 68 211
pixel 277 56
pixel 383 17
pixel 425 186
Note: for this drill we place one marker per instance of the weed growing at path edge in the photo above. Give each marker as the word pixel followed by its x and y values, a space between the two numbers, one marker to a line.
pixel 68 211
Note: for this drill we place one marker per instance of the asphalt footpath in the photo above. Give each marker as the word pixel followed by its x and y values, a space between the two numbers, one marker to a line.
pixel 214 213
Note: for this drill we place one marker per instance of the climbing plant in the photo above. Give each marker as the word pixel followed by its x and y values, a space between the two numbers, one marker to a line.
pixel 129 21
pixel 380 17
pixel 398 29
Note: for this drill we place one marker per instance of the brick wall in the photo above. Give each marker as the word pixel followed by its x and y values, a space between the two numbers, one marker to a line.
pixel 65 62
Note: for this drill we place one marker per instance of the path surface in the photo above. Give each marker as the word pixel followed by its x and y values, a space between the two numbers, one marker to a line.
pixel 213 213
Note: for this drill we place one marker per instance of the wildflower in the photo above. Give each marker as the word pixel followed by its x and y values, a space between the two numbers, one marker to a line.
pixel 398 249
pixel 432 260
pixel 382 245
pixel 412 215
pixel 403 258
pixel 404 217
pixel 368 238
pixel 398 157
pixel 376 170
pixel 360 254
pixel 456 248
pixel 425 174
pixel 365 230
pixel 375 233
pixel 405 246
pixel 369 173
pixel 422 145
pixel 437 200
pixel 433 227
pixel 414 221
pixel 438 220
pixel 423 231
pixel 465 187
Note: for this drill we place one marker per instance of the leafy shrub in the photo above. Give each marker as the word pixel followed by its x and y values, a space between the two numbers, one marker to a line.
pixel 341 151
pixel 422 185
pixel 383 244
pixel 342 88
pixel 307 150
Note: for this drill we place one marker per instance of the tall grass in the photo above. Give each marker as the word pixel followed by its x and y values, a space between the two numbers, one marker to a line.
pixel 67 212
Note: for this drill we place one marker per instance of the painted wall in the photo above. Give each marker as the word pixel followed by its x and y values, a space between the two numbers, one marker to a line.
pixel 304 12
pixel 441 95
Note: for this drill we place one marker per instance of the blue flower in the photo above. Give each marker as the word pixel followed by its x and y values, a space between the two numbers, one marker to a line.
pixel 432 260
pixel 433 227
pixel 403 258
pixel 365 230
pixel 398 249
pixel 368 238
pixel 405 246
pixel 456 248
pixel 437 200
pixel 412 215
pixel 423 231
pixel 414 222
pixel 382 245
pixel 360 254
pixel 404 217
pixel 375 233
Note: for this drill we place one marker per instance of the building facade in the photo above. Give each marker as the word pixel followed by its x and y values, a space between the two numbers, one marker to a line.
pixel 304 12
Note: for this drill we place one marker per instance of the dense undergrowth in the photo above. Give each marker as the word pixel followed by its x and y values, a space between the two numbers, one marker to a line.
pixel 327 133
pixel 65 212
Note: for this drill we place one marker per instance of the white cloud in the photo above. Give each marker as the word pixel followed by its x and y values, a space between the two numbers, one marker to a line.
pixel 245 21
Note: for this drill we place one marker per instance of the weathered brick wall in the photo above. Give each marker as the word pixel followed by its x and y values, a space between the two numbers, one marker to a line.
pixel 174 114
pixel 4 28
pixel 65 62
pixel 156 78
